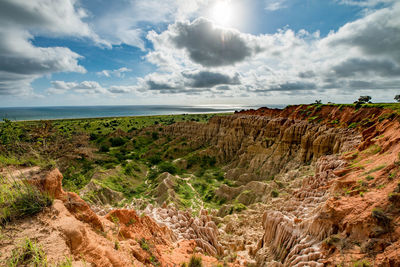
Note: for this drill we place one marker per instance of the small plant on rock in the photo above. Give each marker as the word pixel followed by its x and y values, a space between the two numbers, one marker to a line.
pixel 274 193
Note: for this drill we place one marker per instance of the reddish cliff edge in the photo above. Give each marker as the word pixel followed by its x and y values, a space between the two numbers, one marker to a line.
pixel 346 212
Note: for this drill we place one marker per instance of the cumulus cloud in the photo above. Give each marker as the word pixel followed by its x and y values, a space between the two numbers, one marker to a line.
pixel 122 25
pixel 114 73
pixel 188 82
pixel 208 79
pixel 363 54
pixel 364 67
pixel 88 88
pixel 377 34
pixel 207 44
pixel 20 61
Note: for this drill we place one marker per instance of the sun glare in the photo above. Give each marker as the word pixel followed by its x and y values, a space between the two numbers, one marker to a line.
pixel 222 12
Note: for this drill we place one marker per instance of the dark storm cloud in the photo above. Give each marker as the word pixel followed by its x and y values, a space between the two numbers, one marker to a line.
pixel 209 79
pixel 354 66
pixel 211 46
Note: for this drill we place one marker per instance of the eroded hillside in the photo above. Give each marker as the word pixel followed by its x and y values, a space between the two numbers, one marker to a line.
pixel 310 185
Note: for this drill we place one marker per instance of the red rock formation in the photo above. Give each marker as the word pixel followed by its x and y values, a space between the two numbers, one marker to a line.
pixel 121 238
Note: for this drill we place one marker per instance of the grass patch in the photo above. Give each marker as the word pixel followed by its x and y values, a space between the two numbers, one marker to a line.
pixel 19 199
pixel 380 167
pixel 194 262
pixel 28 253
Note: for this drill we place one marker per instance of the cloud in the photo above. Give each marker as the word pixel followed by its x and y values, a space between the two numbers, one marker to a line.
pixel 287 86
pixel 273 5
pixel 207 44
pixel 122 20
pixel 114 73
pixel 86 87
pixel 47 17
pixel 377 34
pixel 20 61
pixel 307 74
pixel 187 82
pixel 121 89
pixel 364 67
pixel 364 3
pixel 208 79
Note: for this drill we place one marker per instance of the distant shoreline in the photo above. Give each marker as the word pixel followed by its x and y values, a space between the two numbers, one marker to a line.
pixel 96 112
pixel 123 117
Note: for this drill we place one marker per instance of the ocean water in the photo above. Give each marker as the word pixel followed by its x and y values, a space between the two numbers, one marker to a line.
pixel 49 113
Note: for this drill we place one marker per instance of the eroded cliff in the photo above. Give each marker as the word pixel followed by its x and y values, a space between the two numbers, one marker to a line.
pixel 310 185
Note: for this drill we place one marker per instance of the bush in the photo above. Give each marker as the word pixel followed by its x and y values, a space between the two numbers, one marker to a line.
pixel 144 245
pixel 104 148
pixel 239 207
pixel 117 141
pixel 28 253
pixel 155 159
pixel 382 219
pixel 167 167
pixel 195 262
pixel 154 135
pixel 18 199
pixel 274 193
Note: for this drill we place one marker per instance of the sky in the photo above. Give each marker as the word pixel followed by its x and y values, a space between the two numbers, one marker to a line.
pixel 197 52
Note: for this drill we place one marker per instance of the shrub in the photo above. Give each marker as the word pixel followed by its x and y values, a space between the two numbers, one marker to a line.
pixel 382 219
pixel 195 262
pixel 155 159
pixel 18 199
pixel 154 135
pixel 362 263
pixel 274 193
pixel 239 207
pixel 104 148
pixel 167 167
pixel 117 141
pixel 28 253
pixel 144 245
pixel 369 178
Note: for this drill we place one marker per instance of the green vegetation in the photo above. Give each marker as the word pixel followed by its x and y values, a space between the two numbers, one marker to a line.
pixel 28 253
pixel 194 262
pixel 274 193
pixel 18 199
pixel 66 263
pixel 362 263
pixel 369 178
pixel 382 219
pixel 380 167
pixel 144 245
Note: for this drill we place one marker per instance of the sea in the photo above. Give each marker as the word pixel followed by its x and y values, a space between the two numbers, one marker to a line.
pixel 75 112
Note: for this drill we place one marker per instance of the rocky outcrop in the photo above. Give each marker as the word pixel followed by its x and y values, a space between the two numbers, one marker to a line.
pixel 100 195
pixel 201 229
pixel 121 238
pixel 165 192
pixel 294 232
